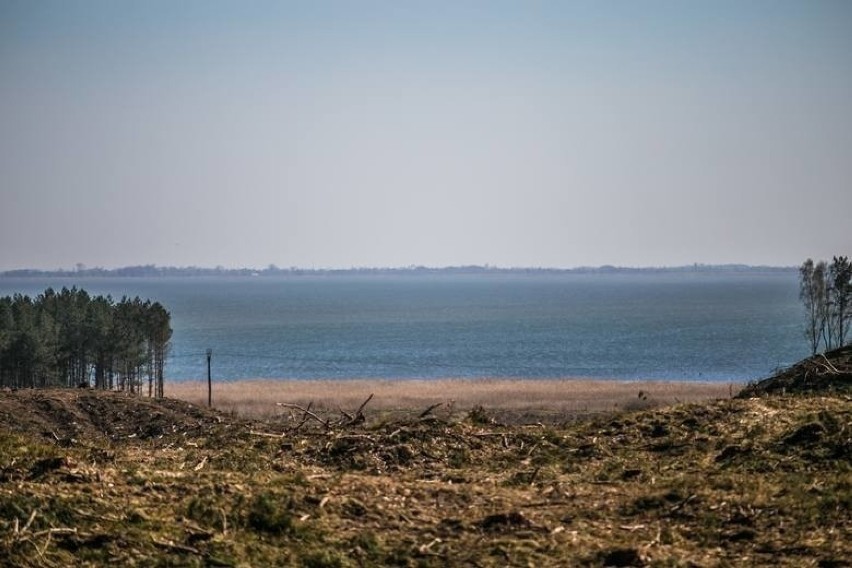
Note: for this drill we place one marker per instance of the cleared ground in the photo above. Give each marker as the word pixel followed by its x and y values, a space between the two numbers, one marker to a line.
pixel 93 478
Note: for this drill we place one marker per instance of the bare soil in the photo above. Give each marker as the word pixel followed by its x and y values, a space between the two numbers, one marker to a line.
pixel 95 478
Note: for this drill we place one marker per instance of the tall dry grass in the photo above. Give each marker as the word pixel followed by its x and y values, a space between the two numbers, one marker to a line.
pixel 258 398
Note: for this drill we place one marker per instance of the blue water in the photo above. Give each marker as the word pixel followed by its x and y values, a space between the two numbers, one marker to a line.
pixel 705 326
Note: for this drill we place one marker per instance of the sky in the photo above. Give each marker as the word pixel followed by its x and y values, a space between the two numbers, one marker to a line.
pixel 346 134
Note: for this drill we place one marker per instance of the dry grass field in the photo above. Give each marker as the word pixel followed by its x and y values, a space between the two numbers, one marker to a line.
pixel 525 400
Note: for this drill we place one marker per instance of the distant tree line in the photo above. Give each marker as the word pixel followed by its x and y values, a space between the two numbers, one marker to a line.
pixel 153 271
pixel 69 339
pixel 826 292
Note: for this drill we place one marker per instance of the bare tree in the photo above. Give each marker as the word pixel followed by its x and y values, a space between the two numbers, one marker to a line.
pixel 812 292
pixel 826 292
pixel 840 298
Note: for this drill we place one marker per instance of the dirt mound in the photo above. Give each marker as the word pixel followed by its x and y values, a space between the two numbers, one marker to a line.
pixel 67 416
pixel 828 372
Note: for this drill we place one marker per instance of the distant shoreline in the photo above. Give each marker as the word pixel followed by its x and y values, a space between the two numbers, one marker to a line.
pixel 149 271
pixel 537 399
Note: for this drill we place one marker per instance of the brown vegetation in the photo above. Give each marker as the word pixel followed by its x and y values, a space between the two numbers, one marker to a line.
pixel 96 478
pixel 510 400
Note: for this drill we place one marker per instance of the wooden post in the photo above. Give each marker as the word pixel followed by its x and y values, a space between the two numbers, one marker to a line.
pixel 209 379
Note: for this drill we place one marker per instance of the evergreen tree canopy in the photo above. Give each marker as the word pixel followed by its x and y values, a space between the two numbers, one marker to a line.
pixel 69 339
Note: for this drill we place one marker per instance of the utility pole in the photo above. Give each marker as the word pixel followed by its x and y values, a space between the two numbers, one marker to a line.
pixel 209 379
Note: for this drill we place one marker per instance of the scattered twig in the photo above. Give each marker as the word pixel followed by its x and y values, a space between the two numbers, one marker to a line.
pixel 424 548
pixel 554 503
pixel 29 521
pixel 534 475
pixel 355 437
pixel 57 530
pixel 174 546
pixel 680 505
pixel 266 434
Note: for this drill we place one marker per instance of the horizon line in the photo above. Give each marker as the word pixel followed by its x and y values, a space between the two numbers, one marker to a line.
pixel 272 268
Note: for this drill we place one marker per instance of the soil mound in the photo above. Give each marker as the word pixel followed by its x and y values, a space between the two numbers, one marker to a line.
pixel 825 372
pixel 69 415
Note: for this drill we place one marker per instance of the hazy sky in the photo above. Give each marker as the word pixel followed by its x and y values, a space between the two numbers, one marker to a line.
pixel 338 134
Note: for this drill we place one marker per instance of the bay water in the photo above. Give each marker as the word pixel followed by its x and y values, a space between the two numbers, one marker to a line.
pixel 716 326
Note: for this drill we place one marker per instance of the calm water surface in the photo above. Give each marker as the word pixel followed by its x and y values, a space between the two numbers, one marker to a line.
pixel 691 326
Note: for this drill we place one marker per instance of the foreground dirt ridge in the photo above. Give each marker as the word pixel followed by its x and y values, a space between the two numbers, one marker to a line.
pixel 93 478
pixel 824 372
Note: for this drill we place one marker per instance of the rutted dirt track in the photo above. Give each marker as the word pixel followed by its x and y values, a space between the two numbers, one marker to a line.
pixel 92 478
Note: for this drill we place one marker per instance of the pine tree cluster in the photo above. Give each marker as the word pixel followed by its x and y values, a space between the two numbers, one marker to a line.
pixel 71 339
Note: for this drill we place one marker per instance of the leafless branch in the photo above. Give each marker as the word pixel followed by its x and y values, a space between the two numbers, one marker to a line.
pixel 363 404
pixel 307 412
pixel 429 410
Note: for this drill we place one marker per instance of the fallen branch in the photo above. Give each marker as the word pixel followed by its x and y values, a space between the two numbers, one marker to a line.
pixel 307 412
pixel 429 410
pixel 358 417
pixel 363 404
pixel 830 366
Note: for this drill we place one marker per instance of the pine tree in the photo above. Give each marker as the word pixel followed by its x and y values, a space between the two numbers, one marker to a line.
pixel 70 339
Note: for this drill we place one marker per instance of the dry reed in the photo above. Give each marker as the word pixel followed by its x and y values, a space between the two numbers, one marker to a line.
pixel 258 397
